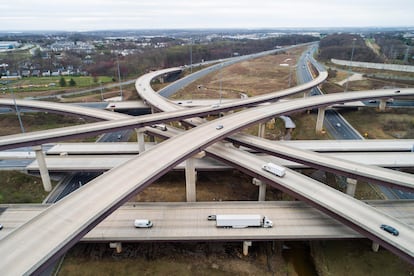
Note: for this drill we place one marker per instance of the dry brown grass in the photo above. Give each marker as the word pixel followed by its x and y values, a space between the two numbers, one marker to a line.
pixel 255 77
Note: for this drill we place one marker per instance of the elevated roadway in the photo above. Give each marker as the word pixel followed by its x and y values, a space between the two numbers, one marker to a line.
pixel 350 162
pixel 377 145
pixel 293 220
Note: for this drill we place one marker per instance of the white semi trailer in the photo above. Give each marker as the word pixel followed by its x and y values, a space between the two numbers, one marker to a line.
pixel 243 221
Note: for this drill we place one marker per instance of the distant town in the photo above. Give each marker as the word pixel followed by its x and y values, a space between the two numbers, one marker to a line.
pixel 97 53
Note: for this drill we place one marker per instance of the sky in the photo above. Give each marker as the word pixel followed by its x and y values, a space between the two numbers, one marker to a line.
pixel 86 15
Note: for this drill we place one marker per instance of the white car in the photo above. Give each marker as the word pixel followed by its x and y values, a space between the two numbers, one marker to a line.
pixel 142 223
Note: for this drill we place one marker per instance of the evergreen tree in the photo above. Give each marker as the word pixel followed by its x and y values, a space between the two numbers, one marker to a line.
pixel 62 82
pixel 72 82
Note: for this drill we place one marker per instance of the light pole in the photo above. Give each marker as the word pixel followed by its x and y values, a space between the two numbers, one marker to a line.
pixel 102 98
pixel 350 64
pixel 221 67
pixel 17 109
pixel 191 55
pixel 119 77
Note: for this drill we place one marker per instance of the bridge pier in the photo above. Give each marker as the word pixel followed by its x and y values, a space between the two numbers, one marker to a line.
pixel 382 104
pixel 117 246
pixel 351 186
pixel 375 246
pixel 44 173
pixel 262 189
pixel 190 177
pixel 246 245
pixel 262 130
pixel 141 139
pixel 321 117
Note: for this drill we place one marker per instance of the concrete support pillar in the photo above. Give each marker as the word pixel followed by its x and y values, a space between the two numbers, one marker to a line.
pixel 246 245
pixel 330 178
pixel 190 180
pixel 262 189
pixel 262 129
pixel 351 186
pixel 44 173
pixel 375 246
pixel 117 246
pixel 321 117
pixel 190 177
pixel 382 104
pixel 141 139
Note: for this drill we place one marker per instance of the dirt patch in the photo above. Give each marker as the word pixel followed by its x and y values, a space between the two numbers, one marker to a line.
pixel 255 77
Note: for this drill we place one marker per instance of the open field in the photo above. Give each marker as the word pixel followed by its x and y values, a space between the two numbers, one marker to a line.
pixel 394 123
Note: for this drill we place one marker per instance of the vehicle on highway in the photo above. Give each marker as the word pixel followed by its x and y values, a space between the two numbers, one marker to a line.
pixel 389 229
pixel 242 221
pixel 211 217
pixel 274 169
pixel 219 127
pixel 1 226
pixel 142 223
pixel 338 124
pixel 160 126
pixel 119 136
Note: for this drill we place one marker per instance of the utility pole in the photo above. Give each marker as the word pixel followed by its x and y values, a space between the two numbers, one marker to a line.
pixel 191 55
pixel 350 64
pixel 119 77
pixel 17 109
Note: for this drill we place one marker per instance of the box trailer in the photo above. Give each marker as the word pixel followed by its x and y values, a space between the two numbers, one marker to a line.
pixel 242 221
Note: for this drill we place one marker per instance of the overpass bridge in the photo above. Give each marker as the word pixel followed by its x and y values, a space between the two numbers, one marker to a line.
pixel 187 221
pixel 89 163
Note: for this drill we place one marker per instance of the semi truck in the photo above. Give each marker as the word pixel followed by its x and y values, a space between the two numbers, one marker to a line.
pixel 243 221
pixel 274 169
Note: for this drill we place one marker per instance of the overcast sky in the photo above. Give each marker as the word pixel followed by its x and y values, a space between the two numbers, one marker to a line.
pixel 81 15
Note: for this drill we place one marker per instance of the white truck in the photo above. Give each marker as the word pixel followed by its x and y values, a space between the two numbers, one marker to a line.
pixel 243 221
pixel 274 169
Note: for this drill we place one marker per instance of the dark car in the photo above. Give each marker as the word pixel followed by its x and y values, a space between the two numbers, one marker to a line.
pixel 389 229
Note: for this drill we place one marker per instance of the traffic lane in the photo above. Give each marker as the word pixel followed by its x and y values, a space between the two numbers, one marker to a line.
pixel 339 128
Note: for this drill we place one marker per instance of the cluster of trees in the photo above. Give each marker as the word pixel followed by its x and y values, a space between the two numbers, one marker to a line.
pixel 339 46
pixel 395 48
pixel 63 83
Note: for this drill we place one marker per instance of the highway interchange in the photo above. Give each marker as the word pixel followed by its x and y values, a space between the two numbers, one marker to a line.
pixel 69 229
